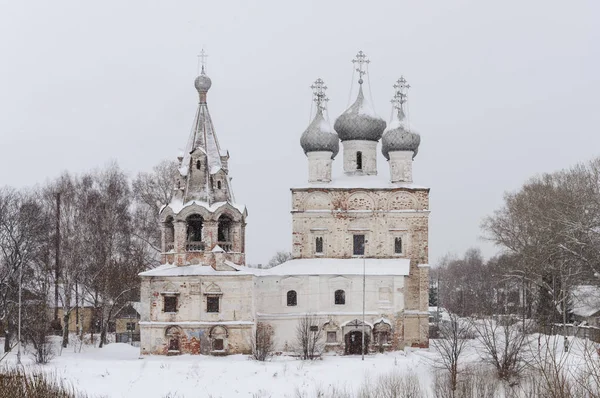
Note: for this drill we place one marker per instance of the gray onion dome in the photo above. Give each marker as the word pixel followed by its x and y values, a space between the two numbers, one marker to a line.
pixel 399 137
pixel 319 137
pixel 359 122
pixel 202 83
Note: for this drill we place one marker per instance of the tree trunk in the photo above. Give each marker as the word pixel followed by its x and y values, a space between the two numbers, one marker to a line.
pixel 65 337
pixel 7 336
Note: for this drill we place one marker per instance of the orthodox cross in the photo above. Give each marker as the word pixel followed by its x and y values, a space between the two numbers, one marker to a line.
pixel 361 61
pixel 202 59
pixel 401 88
pixel 320 98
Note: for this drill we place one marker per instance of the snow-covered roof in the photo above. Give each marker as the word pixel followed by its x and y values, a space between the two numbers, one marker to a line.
pixel 196 270
pixel 358 181
pixel 586 300
pixel 84 298
pixel 338 266
pixel 305 266
pixel 177 205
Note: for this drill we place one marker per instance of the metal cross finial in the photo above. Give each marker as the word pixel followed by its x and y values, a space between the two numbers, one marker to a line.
pixel 320 98
pixel 401 89
pixel 202 59
pixel 360 61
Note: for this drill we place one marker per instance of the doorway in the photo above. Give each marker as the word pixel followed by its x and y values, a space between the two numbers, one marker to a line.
pixel 354 343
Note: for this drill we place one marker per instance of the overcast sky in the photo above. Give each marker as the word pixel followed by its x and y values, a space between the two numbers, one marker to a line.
pixel 500 92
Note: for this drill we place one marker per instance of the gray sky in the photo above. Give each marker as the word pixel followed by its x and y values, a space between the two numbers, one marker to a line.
pixel 499 93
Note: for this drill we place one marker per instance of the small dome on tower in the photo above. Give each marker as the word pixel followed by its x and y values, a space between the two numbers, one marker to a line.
pixel 359 122
pixel 203 83
pixel 399 136
pixel 319 136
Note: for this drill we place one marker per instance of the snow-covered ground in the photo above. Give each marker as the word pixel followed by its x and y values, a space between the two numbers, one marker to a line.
pixel 117 370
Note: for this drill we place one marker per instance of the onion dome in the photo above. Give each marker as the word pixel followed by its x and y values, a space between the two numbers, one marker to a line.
pixel 202 83
pixel 359 122
pixel 319 136
pixel 398 136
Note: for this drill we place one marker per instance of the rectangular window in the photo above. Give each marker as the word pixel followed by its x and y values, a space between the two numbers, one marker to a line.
pixel 319 245
pixel 398 245
pixel 331 337
pixel 130 326
pixel 212 304
pixel 218 345
pixel 170 304
pixel 358 245
pixel 314 328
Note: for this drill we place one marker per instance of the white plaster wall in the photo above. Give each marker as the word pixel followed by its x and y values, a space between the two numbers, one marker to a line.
pixel 369 156
pixel 401 166
pixel 319 166
pixel 236 301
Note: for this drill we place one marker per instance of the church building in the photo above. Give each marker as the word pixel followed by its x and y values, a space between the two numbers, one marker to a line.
pixel 359 243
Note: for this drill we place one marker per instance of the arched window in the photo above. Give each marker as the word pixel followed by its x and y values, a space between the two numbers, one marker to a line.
pixel 398 245
pixel 169 234
pixel 224 233
pixel 198 164
pixel 292 298
pixel 218 184
pixel 359 160
pixel 319 245
pixel 194 233
pixel 340 297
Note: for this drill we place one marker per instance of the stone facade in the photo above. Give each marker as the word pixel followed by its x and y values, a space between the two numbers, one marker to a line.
pixel 355 239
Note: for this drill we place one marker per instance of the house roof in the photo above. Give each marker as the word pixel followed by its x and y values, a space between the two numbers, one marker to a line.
pixel 586 300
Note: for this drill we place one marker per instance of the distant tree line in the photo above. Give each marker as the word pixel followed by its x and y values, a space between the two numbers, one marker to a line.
pixel 79 235
pixel 549 233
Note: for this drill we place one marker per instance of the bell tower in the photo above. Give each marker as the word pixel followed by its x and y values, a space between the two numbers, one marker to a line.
pixel 203 224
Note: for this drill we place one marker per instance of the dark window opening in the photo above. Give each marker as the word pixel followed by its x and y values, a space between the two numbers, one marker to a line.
pixel 198 164
pixel 194 228
pixel 169 234
pixel 382 337
pixel 319 244
pixel 340 297
pixel 224 233
pixel 292 298
pixel 331 337
pixel 359 164
pixel 398 245
pixel 212 304
pixel 358 245
pixel 219 184
pixel 218 345
pixel 174 344
pixel 211 182
pixel 130 326
pixel 314 328
pixel 170 304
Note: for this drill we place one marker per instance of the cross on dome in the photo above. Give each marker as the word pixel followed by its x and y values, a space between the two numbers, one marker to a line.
pixel 202 59
pixel 320 98
pixel 401 89
pixel 361 61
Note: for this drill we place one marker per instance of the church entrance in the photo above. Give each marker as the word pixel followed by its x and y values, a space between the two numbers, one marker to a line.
pixel 353 342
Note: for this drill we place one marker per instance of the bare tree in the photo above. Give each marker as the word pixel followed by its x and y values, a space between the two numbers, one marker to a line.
pixel 151 191
pixel 504 343
pixel 309 337
pixel 454 337
pixel 279 258
pixel 22 240
pixel 262 343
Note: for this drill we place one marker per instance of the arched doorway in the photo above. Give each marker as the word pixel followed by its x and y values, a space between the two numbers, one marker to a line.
pixel 354 342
